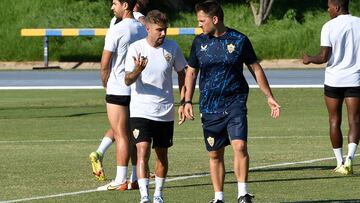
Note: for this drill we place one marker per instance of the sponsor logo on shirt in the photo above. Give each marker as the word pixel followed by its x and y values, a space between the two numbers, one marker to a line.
pixel 203 47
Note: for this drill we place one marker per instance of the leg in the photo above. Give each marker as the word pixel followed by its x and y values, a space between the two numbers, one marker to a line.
pixel 217 169
pixel 142 169
pixel 334 107
pixel 353 110
pixel 161 169
pixel 241 160
pixel 119 120
pixel 161 165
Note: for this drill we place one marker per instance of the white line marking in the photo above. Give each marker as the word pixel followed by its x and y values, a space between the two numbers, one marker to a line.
pixel 100 87
pixel 180 138
pixel 173 179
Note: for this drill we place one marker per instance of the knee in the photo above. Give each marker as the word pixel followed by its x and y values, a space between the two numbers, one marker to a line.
pixel 215 156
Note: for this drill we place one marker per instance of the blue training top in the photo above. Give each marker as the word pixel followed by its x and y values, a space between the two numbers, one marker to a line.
pixel 220 60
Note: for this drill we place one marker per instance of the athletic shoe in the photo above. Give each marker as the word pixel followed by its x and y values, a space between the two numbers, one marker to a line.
pixel 348 165
pixel 133 185
pixel 341 169
pixel 97 167
pixel 145 199
pixel 246 198
pixel 216 201
pixel 113 186
pixel 158 199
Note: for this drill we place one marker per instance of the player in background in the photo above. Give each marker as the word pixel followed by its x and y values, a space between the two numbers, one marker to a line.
pixel 97 156
pixel 149 64
pixel 340 48
pixel 112 71
pixel 219 54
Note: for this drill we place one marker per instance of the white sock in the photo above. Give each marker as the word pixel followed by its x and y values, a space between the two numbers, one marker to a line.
pixel 242 189
pixel 339 156
pixel 133 176
pixel 144 187
pixel 121 172
pixel 104 145
pixel 159 185
pixel 352 150
pixel 219 196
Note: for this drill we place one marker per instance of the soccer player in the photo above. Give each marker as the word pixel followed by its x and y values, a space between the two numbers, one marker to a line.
pixel 97 156
pixel 219 53
pixel 149 64
pixel 340 48
pixel 112 72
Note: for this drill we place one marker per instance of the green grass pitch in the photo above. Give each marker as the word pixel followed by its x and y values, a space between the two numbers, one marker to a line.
pixel 47 135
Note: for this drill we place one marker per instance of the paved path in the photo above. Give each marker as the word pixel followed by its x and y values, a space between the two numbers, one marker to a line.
pixel 91 77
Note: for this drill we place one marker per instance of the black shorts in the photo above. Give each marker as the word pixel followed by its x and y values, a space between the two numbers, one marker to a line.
pixel 123 100
pixel 341 92
pixel 221 128
pixel 145 130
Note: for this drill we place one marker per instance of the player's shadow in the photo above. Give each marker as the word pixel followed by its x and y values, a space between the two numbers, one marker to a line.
pixel 329 201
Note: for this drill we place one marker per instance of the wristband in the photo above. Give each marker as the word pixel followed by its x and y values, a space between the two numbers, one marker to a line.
pixel 187 102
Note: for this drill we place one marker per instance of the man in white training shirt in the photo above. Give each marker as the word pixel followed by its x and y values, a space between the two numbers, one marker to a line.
pixel 149 64
pixel 340 47
pixel 112 71
pixel 97 156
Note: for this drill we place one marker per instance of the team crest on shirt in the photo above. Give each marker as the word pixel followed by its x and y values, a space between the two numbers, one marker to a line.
pixel 136 133
pixel 168 57
pixel 211 141
pixel 203 47
pixel 231 48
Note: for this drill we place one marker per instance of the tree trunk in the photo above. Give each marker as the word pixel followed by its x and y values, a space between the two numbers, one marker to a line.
pixel 262 12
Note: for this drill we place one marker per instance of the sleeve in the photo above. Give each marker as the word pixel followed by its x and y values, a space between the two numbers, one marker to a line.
pixel 112 40
pixel 325 36
pixel 193 60
pixel 179 61
pixel 247 53
pixel 129 60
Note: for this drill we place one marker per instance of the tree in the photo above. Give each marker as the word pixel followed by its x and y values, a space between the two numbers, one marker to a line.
pixel 260 10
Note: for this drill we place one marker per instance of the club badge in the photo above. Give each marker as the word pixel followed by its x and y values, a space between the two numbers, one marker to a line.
pixel 211 141
pixel 136 133
pixel 168 57
pixel 231 48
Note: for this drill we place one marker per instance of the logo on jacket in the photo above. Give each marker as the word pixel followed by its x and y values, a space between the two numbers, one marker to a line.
pixel 203 47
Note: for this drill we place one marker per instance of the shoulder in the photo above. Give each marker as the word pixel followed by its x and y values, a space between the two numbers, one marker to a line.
pixel 236 35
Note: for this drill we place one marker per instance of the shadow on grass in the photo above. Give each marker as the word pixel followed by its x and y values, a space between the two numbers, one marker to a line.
pixel 329 201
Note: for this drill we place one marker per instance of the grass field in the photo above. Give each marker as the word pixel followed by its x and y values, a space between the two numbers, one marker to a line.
pixel 47 135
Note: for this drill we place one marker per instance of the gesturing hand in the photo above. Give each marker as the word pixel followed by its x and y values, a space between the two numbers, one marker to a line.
pixel 140 62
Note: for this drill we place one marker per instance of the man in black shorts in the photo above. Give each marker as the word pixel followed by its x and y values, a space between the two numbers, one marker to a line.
pixel 340 47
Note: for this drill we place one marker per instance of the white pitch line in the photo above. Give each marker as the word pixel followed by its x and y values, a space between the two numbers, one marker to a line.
pixel 172 179
pixel 100 87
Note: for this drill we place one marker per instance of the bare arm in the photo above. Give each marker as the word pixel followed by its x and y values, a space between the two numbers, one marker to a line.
pixel 259 75
pixel 320 58
pixel 181 80
pixel 140 64
pixel 104 67
pixel 190 81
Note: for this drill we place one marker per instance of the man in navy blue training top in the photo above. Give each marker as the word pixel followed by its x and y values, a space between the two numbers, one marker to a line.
pixel 219 54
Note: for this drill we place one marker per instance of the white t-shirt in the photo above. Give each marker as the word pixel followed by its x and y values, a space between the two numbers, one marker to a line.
pixel 152 93
pixel 117 40
pixel 342 34
pixel 137 15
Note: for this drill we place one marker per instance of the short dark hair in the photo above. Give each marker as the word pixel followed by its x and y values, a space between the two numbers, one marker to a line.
pixel 131 3
pixel 344 4
pixel 142 4
pixel 156 17
pixel 211 8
